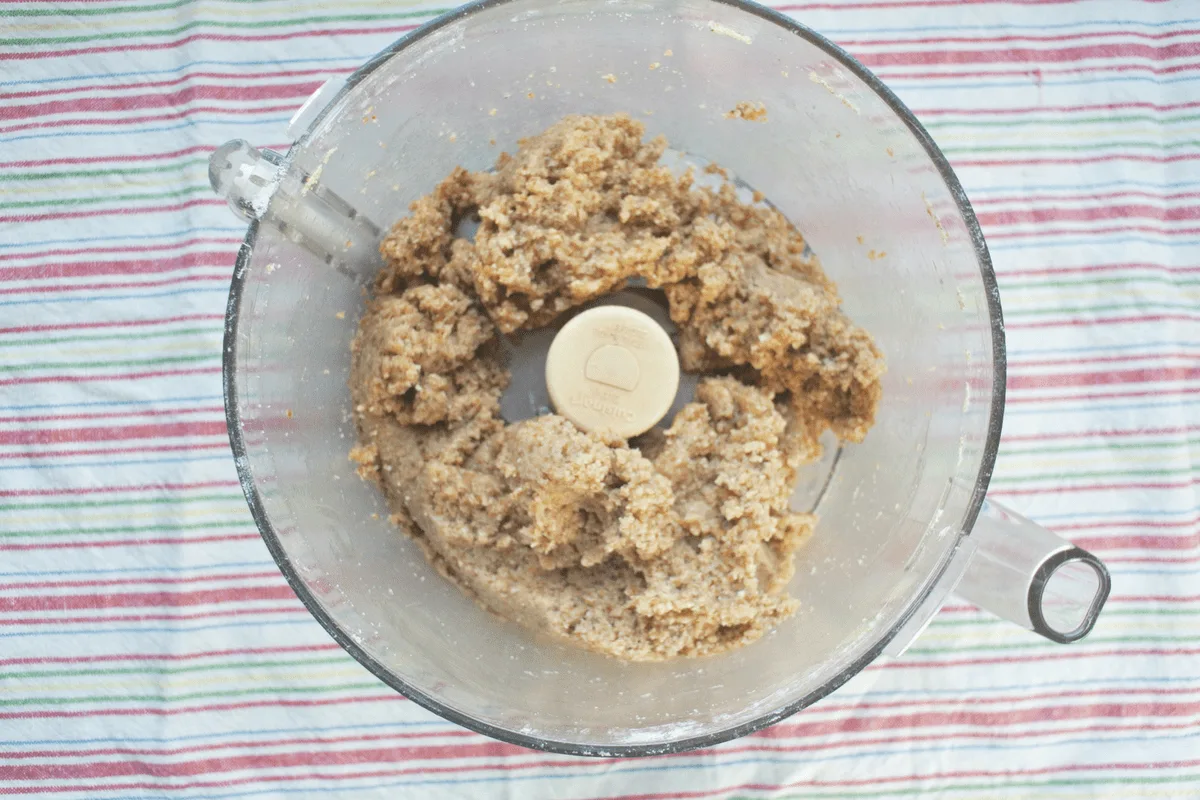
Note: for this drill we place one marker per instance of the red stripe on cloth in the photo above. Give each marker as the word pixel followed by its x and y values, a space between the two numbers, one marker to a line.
pixel 1035 199
pixel 1034 74
pixel 161 711
pixel 123 323
pixel 202 654
pixel 133 412
pixel 1053 654
pixel 250 744
pixel 1017 366
pixel 141 580
pixel 124 432
pixel 254 78
pixel 1147 375
pixel 1099 487
pixel 77 269
pixel 53 256
pixel 1156 598
pixel 1098 321
pixel 144 487
pixel 1149 355
pixel 1048 109
pixel 160 599
pixel 1116 558
pixel 1008 698
pixel 107 159
pixel 970 717
pixel 1046 233
pixel 66 288
pixel 783 731
pixel 1009 39
pixel 1106 212
pixel 120 377
pixel 1144 542
pixel 1051 399
pixel 113 122
pixel 195 202
pixel 1166 269
pixel 200 615
pixel 117 451
pixel 1139 523
pixel 1061 161
pixel 1135 542
pixel 188 94
pixel 92 544
pixel 1031 55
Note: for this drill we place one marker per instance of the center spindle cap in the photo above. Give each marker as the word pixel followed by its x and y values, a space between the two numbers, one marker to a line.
pixel 612 369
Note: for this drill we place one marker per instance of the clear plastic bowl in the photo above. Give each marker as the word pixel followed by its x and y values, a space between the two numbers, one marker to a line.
pixel 839 154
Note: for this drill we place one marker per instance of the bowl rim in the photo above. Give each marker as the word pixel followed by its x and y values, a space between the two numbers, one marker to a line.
pixel 987 463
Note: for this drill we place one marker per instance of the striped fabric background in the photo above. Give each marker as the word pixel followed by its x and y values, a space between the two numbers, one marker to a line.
pixel 149 646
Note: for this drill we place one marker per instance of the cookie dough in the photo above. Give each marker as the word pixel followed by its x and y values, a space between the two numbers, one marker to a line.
pixel 679 542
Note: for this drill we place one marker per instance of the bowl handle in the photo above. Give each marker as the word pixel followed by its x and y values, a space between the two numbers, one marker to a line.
pixel 1023 573
pixel 265 186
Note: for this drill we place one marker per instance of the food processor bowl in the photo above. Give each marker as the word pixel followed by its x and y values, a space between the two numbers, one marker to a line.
pixel 903 519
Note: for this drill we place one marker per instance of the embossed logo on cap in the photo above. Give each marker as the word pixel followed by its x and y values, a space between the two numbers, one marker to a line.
pixel 613 366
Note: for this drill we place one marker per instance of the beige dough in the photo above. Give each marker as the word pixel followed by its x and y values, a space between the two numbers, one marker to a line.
pixel 679 542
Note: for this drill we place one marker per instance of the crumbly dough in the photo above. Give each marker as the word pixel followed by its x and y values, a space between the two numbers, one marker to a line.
pixel 679 542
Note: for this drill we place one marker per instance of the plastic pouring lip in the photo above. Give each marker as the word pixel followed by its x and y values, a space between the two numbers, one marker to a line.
pixel 636 748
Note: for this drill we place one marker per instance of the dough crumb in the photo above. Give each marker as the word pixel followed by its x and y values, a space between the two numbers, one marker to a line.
pixel 751 112
pixel 680 542
pixel 725 30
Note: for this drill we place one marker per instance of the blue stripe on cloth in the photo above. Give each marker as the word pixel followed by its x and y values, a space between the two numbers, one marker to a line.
pixel 222 288
pixel 177 631
pixel 140 401
pixel 138 570
pixel 1077 406
pixel 48 467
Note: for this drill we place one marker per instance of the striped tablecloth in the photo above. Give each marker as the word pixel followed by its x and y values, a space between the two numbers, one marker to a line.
pixel 149 646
